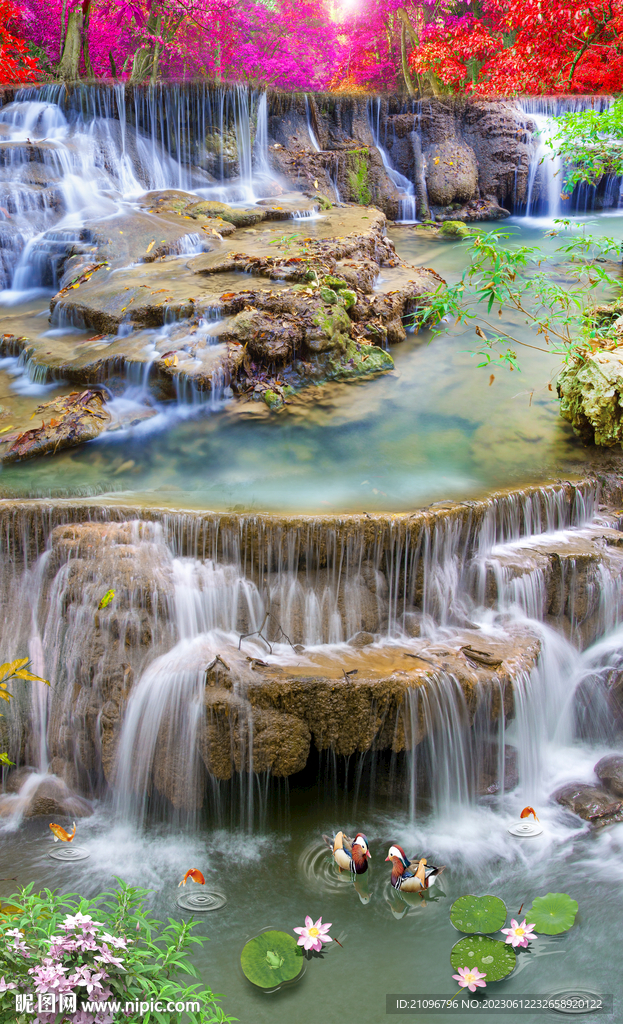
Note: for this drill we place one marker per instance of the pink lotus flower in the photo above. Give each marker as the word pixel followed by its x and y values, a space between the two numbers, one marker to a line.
pixel 313 935
pixel 519 934
pixel 471 978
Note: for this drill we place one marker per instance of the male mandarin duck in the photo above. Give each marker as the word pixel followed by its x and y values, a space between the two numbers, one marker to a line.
pixel 349 854
pixel 411 876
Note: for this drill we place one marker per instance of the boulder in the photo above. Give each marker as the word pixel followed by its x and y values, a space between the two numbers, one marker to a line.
pixel 609 771
pixel 451 173
pixel 591 397
pixel 589 802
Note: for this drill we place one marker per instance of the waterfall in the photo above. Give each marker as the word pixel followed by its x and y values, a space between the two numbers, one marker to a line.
pixel 545 189
pixel 131 708
pixel 407 205
pixel 72 158
pixel 310 130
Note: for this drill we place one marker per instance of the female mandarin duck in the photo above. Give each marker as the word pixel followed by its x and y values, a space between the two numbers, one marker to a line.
pixel 349 854
pixel 411 876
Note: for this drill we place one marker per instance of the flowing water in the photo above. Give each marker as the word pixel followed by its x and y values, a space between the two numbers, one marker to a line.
pixel 543 561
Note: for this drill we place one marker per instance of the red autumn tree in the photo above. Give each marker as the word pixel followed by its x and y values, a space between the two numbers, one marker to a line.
pixel 531 46
pixel 17 64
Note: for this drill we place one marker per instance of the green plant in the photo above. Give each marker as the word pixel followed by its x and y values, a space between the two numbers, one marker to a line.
pixel 553 914
pixel 272 959
pixel 122 955
pixel 550 292
pixel 591 144
pixel 358 177
pixel 494 958
pixel 478 913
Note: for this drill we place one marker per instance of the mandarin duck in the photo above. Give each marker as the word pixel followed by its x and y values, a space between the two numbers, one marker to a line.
pixel 411 876
pixel 349 854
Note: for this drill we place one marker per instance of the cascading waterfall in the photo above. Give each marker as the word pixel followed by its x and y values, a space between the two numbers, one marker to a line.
pixel 407 212
pixel 188 587
pixel 545 189
pixel 71 159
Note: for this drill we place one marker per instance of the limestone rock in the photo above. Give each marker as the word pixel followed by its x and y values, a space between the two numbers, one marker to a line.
pixel 591 397
pixel 451 173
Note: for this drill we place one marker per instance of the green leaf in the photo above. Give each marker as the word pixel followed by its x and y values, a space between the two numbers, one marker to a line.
pixel 492 957
pixel 107 598
pixel 478 914
pixel 553 913
pixel 271 959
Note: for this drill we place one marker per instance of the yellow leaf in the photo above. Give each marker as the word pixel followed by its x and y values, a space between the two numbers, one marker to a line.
pixel 10 667
pixel 5 695
pixel 25 674
pixel 151 245
pixel 436 160
pixel 107 598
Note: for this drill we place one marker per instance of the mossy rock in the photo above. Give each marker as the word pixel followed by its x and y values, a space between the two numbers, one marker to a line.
pixel 272 959
pixel 334 282
pixel 328 295
pixel 494 958
pixel 323 202
pixel 360 361
pixel 274 399
pixel 454 229
pixel 238 217
pixel 348 298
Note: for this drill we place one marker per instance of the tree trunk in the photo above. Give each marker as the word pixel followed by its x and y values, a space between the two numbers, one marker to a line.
pixel 145 62
pixel 406 72
pixel 75 44
pixel 69 65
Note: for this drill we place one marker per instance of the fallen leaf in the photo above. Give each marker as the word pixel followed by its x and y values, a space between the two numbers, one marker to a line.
pixel 491 379
pixel 107 598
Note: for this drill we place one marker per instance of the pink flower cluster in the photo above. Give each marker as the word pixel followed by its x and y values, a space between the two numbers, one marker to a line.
pixel 64 970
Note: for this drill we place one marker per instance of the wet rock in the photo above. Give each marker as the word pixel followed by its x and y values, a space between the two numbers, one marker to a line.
pixel 451 172
pixel 73 419
pixel 454 229
pixel 53 797
pixel 16 778
pixel 239 737
pixel 489 776
pixel 361 639
pixel 589 802
pixel 610 773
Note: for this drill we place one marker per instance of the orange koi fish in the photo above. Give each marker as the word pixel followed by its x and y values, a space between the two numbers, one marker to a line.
pixel 195 875
pixel 527 811
pixel 60 833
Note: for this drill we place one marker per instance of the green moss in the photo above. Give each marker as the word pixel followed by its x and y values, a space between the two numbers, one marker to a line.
pixel 348 297
pixel 360 361
pixel 323 202
pixel 328 295
pixel 334 282
pixel 457 229
pixel 358 176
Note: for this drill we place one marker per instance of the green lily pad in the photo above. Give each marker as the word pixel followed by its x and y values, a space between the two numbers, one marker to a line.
pixel 492 957
pixel 552 914
pixel 478 914
pixel 271 959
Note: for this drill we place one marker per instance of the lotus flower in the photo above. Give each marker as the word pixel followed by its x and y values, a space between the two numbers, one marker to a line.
pixel 471 978
pixel 519 934
pixel 313 935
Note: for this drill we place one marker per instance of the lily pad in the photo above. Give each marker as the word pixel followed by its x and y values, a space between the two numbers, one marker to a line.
pixel 492 957
pixel 552 914
pixel 271 959
pixel 478 914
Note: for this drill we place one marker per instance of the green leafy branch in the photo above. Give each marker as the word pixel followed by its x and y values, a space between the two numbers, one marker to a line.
pixel 590 142
pixel 550 292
